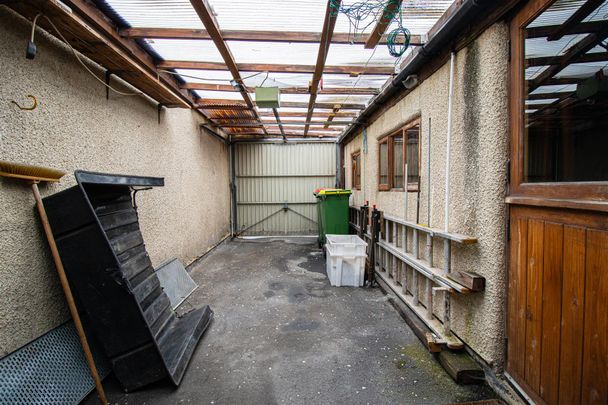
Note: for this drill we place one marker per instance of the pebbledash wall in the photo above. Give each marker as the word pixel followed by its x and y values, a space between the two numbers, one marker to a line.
pixel 75 127
pixel 478 177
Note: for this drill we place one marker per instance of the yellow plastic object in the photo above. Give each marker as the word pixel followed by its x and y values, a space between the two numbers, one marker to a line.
pixel 334 191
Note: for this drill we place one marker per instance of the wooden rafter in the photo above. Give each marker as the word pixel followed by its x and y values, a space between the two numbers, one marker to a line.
pixel 228 104
pixel 331 116
pixel 583 11
pixel 203 10
pixel 85 25
pixel 276 68
pixel 582 28
pixel 251 35
pixel 557 60
pixel 390 10
pixel 580 48
pixel 331 16
pixel 276 117
pixel 284 90
pixel 315 115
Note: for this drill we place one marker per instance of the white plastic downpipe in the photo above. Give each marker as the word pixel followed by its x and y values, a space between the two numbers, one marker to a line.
pixel 448 145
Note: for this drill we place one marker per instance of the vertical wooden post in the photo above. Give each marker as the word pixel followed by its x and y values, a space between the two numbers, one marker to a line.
pixel 415 242
pixel 447 325
pixel 447 256
pixel 429 249
pixel 404 239
pixel 429 298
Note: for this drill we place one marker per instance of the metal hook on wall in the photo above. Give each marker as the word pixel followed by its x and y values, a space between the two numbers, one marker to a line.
pixel 27 108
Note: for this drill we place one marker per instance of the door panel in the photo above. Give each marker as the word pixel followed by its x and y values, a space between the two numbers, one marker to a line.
pixel 558 312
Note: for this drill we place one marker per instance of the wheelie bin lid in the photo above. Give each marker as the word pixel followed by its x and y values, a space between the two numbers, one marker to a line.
pixel 332 191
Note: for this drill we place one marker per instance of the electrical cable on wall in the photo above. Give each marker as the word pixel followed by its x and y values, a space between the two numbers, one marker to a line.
pixel 31 53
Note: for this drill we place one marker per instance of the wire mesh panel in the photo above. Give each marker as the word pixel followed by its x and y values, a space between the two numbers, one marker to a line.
pixel 50 370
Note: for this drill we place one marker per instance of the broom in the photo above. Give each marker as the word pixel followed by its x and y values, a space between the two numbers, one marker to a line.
pixel 34 175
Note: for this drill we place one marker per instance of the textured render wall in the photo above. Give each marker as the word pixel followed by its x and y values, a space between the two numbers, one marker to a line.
pixel 477 177
pixel 75 127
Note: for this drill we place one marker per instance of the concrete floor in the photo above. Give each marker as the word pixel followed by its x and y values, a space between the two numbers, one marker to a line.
pixel 282 334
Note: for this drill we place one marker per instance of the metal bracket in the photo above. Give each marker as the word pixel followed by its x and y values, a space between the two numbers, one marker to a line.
pixel 159 108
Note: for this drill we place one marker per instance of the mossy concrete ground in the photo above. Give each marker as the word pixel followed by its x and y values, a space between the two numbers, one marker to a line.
pixel 283 335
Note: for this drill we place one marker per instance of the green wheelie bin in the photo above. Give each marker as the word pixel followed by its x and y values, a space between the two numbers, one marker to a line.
pixel 332 210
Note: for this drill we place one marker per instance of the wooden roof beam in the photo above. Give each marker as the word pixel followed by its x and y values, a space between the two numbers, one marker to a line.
pixel 86 25
pixel 579 15
pixel 390 10
pixel 255 36
pixel 557 60
pixel 284 90
pixel 203 10
pixel 231 104
pixel 582 28
pixel 329 23
pixel 276 68
pixel 580 48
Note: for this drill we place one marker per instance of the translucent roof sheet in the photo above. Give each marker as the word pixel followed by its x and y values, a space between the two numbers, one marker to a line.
pixel 275 16
pixel 157 13
pixel 583 70
pixel 561 10
pixel 186 49
pixel 270 15
pixel 536 47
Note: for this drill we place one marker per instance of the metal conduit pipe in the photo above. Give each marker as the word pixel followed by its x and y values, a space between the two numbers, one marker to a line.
pixel 448 146
pixel 468 10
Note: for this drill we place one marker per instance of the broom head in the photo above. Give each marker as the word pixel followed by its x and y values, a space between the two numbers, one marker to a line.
pixel 28 172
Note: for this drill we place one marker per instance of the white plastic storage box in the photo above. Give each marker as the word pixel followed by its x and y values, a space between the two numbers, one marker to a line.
pixel 346 269
pixel 347 244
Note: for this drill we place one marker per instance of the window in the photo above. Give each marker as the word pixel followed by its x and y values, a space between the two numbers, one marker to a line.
pixel 564 103
pixel 356 170
pixel 396 152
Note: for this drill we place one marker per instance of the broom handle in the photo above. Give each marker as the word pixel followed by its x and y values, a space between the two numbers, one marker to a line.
pixel 68 294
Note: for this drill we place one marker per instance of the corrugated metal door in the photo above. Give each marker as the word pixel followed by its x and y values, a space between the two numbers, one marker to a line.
pixel 275 183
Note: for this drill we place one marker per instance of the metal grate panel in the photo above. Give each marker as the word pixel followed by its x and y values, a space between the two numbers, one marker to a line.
pixel 50 370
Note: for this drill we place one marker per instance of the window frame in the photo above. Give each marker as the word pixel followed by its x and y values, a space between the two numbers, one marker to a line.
pixel 570 194
pixel 389 140
pixel 354 167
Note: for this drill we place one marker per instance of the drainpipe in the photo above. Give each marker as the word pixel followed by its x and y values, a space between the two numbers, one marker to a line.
pixel 428 191
pixel 448 146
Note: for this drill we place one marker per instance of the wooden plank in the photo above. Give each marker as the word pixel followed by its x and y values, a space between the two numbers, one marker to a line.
pixel 331 16
pixel 472 281
pixel 595 353
pixel 203 10
pixel 461 367
pixel 390 10
pixel 276 68
pixel 551 308
pixel 253 35
pixel 534 295
pixel 573 305
pixel 517 296
pixel 285 104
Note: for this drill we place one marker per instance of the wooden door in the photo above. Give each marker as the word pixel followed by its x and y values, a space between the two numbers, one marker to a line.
pixel 557 321
pixel 558 305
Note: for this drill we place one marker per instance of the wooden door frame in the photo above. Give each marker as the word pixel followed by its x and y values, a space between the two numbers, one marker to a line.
pixel 574 195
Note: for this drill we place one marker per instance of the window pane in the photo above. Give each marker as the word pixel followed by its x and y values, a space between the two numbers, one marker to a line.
pixel 566 99
pixel 398 161
pixel 358 171
pixel 412 154
pixel 384 163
